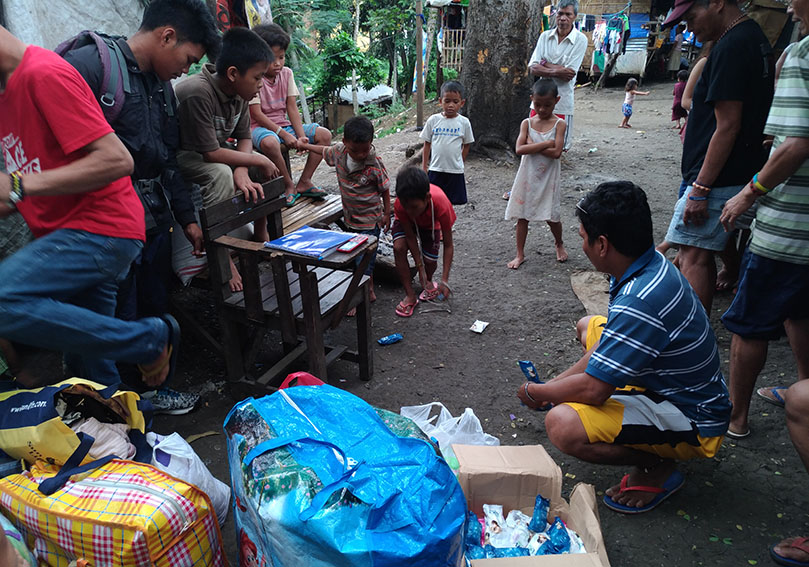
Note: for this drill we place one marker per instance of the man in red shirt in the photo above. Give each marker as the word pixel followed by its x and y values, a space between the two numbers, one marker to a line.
pixel 69 178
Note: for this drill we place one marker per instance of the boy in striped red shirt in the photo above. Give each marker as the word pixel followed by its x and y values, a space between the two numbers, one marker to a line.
pixel 363 180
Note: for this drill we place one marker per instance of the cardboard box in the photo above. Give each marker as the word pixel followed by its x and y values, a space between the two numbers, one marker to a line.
pixel 512 477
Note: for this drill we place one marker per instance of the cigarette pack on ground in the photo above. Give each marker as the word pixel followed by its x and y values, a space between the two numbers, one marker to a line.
pixel 512 477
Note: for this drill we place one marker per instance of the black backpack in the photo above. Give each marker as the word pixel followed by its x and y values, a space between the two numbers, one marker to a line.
pixel 115 78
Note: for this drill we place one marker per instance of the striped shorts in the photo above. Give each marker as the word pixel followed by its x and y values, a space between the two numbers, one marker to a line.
pixel 642 420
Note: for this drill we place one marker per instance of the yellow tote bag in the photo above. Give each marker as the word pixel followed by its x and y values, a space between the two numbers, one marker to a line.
pixel 31 427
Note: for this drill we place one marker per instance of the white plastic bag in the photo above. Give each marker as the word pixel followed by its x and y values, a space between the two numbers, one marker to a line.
pixel 173 455
pixel 448 430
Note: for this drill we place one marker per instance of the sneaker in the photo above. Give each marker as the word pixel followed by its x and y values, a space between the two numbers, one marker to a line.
pixel 171 402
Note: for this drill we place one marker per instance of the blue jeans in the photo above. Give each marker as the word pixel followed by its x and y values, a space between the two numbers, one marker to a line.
pixel 58 293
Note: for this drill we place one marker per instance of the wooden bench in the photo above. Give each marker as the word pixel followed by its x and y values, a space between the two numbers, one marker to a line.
pixel 312 212
pixel 301 298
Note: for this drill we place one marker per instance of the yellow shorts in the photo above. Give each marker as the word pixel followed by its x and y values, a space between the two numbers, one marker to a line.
pixel 642 421
pixel 594 329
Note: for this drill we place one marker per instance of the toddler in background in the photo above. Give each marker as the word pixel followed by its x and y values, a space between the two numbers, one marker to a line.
pixel 536 193
pixel 447 137
pixel 629 100
pixel 678 113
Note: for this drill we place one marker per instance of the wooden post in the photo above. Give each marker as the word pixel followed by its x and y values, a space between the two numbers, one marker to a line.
pixel 419 66
pixel 439 71
pixel 293 59
pixel 354 102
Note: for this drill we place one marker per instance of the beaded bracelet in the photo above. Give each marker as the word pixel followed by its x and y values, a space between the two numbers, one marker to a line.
pixel 17 192
pixel 757 186
pixel 701 187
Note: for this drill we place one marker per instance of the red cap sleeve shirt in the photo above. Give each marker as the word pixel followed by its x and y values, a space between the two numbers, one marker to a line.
pixel 444 213
pixel 49 114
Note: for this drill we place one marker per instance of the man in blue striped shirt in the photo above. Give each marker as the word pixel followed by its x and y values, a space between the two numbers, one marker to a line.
pixel 649 390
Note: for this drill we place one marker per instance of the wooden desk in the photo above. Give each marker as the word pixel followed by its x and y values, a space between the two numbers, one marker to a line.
pixel 307 300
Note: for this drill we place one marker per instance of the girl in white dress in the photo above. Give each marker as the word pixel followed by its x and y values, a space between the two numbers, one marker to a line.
pixel 535 195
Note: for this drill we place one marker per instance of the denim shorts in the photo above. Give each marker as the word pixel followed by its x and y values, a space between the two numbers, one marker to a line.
pixel 259 133
pixel 770 292
pixel 710 235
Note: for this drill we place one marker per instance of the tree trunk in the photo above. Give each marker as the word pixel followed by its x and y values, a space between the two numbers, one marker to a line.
pixel 500 37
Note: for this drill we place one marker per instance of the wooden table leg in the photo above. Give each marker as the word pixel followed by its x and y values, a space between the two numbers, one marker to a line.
pixel 364 341
pixel 316 350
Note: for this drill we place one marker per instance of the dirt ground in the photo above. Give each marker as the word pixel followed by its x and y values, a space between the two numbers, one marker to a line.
pixel 731 509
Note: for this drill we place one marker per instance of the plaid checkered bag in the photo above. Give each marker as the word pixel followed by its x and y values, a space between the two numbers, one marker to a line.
pixel 122 514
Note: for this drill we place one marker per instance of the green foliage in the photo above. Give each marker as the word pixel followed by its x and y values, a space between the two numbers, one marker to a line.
pixel 340 57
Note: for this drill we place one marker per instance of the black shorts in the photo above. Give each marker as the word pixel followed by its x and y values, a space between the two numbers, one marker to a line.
pixel 453 185
pixel 770 292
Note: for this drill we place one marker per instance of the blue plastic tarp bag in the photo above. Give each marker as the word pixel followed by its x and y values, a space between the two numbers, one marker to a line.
pixel 320 478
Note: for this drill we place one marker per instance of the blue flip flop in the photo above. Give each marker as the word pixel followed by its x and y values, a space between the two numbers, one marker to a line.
pixel 799 543
pixel 777 399
pixel 673 483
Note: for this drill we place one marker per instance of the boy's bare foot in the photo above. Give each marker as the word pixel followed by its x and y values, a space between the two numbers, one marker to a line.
pixel 372 295
pixel 561 253
pixel 518 261
pixel 724 280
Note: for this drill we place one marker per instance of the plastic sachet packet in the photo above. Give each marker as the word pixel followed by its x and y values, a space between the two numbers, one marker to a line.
pixel 498 534
pixel 518 522
pixel 529 370
pixel 539 521
pixel 474 531
pixel 498 552
pixel 558 539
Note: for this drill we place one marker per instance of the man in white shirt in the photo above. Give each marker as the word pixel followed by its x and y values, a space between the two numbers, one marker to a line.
pixel 558 55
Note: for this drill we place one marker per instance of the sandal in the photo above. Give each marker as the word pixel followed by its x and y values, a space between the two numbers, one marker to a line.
pixel 673 484
pixel 406 309
pixel 314 192
pixel 800 543
pixel 429 294
pixel 774 398
pixel 291 198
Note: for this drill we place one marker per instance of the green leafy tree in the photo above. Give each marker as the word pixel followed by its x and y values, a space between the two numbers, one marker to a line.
pixel 391 26
pixel 340 57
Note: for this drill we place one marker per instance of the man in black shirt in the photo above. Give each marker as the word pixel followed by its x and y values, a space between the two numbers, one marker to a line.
pixel 173 35
pixel 723 142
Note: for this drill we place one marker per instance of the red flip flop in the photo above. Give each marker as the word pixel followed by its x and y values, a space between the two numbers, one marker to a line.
pixel 406 309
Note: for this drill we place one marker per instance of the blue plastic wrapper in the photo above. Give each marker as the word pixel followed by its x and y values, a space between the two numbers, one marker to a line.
pixel 511 552
pixel 539 521
pixel 559 538
pixel 475 552
pixel 530 371
pixel 473 533
pixel 390 339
